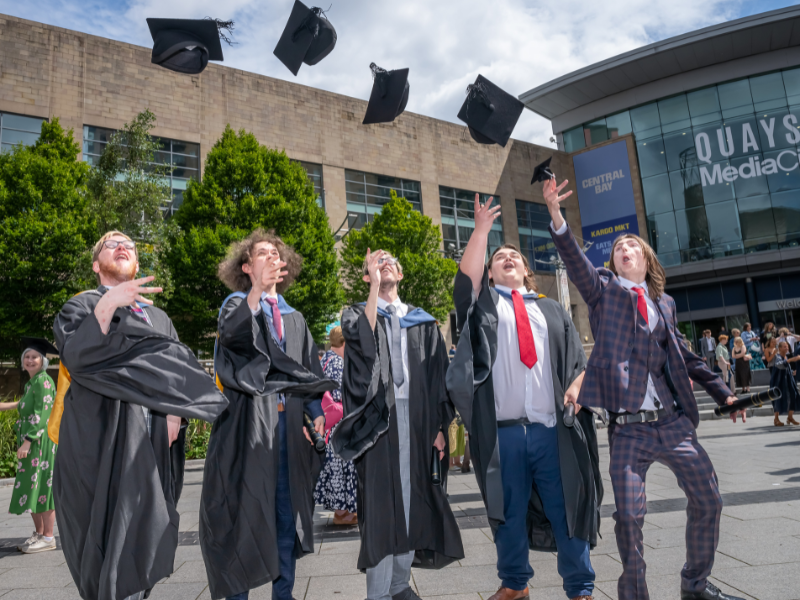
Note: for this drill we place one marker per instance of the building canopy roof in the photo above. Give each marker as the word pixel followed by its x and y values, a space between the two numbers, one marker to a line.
pixel 702 49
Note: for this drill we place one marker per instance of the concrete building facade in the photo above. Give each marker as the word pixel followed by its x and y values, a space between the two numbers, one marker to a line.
pixel 95 85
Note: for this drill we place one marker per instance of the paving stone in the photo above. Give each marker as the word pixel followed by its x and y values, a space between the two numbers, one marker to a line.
pixel 58 593
pixel 338 587
pixel 771 582
pixel 317 565
pixel 762 550
pixel 51 558
pixel 32 577
pixel 189 571
pixel 456 581
pixel 183 591
pixel 328 547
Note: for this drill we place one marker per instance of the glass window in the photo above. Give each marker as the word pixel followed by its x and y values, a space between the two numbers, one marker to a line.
pixel 782 171
pixel 768 91
pixel 535 240
pixel 758 223
pixel 674 113
pixel 723 228
pixel 773 132
pixel 704 106
pixel 786 208
pixel 748 183
pixel 790 286
pixel 681 301
pixel 367 193
pixel 645 120
pixel 460 204
pixel 574 139
pixel 733 293
pixel 595 132
pixel 619 124
pixel 663 233
pixel 714 187
pixel 791 83
pixel 768 288
pixel 735 99
pixel 651 157
pixel 657 194
pixel 679 149
pixel 705 297
pixel 16 129
pixel 692 229
pixel 183 157
pixel 314 172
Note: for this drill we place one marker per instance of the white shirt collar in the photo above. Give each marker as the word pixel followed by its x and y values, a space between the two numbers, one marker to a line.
pixel 628 284
pixel 382 304
pixel 265 295
pixel 522 290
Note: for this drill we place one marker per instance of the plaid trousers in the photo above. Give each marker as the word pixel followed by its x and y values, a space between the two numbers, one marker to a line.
pixel 672 442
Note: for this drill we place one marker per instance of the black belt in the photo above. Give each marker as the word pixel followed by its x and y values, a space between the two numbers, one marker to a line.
pixel 512 422
pixel 643 416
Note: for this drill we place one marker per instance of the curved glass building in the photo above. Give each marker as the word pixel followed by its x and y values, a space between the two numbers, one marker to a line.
pixel 714 121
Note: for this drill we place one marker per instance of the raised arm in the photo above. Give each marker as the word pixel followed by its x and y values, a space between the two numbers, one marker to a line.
pixel 474 257
pixel 579 268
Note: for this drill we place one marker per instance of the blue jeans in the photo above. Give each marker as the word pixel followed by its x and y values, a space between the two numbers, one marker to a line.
pixel 528 455
pixel 282 586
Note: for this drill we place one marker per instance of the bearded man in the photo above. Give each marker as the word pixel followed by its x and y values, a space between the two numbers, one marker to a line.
pixel 120 462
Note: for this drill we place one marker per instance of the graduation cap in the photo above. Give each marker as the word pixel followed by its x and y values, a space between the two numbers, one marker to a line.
pixel 489 112
pixel 308 38
pixel 41 345
pixel 542 172
pixel 389 95
pixel 186 45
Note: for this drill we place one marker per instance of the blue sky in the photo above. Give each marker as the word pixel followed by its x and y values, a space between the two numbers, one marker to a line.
pixel 517 44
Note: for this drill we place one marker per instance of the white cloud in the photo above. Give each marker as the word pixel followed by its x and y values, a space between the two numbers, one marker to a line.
pixel 516 44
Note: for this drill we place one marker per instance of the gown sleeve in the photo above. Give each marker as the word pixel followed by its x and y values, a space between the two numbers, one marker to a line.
pixel 153 370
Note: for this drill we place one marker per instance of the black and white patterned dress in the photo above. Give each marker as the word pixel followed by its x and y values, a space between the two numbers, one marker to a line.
pixel 338 482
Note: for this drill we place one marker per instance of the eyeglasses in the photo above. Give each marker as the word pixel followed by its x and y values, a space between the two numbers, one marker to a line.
pixel 383 261
pixel 112 244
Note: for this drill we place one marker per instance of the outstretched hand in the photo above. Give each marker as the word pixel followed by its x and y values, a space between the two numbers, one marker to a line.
pixel 373 274
pixel 125 294
pixel 485 215
pixel 550 191
pixel 272 273
pixel 743 413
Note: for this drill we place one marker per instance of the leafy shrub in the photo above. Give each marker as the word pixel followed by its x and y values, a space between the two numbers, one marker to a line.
pixel 8 443
pixel 197 434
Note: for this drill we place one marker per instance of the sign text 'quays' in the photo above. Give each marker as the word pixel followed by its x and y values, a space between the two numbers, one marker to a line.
pixel 739 140
pixel 602 183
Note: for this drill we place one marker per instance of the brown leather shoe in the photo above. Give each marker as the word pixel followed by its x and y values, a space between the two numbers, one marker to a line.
pixel 504 593
pixel 583 598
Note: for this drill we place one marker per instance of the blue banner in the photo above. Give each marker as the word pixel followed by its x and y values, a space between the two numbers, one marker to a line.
pixel 603 235
pixel 605 198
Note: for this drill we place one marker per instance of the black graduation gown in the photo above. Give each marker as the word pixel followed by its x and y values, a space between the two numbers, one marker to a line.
pixel 781 377
pixel 367 434
pixel 115 488
pixel 238 534
pixel 469 382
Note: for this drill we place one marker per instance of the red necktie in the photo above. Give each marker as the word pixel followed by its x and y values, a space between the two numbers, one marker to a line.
pixel 527 348
pixel 641 303
pixel 276 316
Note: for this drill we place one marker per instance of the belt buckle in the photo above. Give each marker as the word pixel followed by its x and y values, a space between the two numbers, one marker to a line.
pixel 647 415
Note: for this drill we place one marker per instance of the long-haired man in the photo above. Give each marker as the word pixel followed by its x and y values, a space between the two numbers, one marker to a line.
pixel 257 503
pixel 639 372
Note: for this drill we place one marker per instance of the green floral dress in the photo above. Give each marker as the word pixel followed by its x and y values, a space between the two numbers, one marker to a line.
pixel 33 489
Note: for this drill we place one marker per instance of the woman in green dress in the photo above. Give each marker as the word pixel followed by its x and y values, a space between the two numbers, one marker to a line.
pixel 33 488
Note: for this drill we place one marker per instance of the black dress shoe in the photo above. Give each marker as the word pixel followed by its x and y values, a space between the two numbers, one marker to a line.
pixel 711 592
pixel 406 594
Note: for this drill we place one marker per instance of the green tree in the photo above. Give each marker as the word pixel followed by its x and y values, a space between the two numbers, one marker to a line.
pixel 415 241
pixel 130 192
pixel 45 231
pixel 245 186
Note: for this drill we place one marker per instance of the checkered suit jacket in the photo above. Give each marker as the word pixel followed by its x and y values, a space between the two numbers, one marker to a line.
pixel 612 380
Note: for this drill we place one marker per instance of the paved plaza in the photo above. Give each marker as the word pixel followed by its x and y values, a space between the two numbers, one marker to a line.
pixel 759 470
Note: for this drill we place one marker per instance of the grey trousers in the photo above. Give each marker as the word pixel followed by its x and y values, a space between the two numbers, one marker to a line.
pixel 391 576
pixel 139 596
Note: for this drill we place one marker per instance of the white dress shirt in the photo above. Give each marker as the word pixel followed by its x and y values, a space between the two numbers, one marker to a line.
pixel 402 311
pixel 257 310
pixel 512 400
pixel 650 396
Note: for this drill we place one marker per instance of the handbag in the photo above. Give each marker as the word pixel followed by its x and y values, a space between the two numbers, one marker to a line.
pixel 333 410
